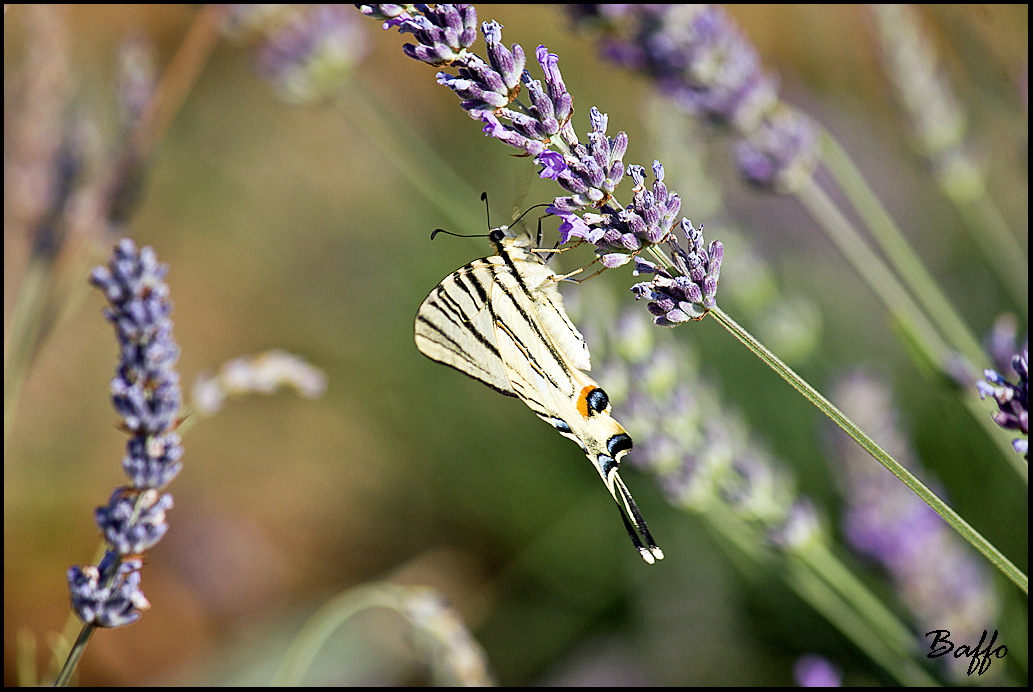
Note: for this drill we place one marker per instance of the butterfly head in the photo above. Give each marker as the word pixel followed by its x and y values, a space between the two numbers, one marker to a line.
pixel 510 236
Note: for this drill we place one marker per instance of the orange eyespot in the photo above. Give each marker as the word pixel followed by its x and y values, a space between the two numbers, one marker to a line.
pixel 582 400
pixel 592 400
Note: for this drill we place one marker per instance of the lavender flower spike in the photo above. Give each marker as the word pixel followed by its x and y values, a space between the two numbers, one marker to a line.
pixel 146 393
pixel 1012 399
pixel 538 122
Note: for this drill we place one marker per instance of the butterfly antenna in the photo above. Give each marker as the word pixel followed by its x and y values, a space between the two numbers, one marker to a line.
pixel 636 524
pixel 529 209
pixel 487 208
pixel 457 235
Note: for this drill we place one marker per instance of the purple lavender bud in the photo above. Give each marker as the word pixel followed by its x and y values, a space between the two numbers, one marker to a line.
pixel 541 107
pixel 562 101
pixel 153 462
pixel 494 127
pixel 444 33
pixel 656 209
pixel 113 605
pixel 508 63
pixel 394 14
pixel 1012 399
pixel 146 387
pixel 692 294
pixel 481 89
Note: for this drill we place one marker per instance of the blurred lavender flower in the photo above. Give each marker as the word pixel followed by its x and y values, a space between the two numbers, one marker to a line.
pixel 32 168
pixel 541 128
pixel 812 670
pixel 145 392
pixel 261 374
pixel 1001 341
pixel 937 578
pixel 1012 399
pixel 699 58
pixel 937 119
pixel 117 603
pixel 456 659
pixel 307 51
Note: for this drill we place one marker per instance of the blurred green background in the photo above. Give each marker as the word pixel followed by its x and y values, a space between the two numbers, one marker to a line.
pixel 286 226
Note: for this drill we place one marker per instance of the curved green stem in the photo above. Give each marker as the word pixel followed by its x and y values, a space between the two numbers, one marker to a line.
pixel 325 622
pixel 825 406
pixel 923 335
pixel 998 245
pixel 899 252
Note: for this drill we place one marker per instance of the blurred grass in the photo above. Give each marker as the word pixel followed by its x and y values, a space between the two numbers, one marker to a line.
pixel 284 228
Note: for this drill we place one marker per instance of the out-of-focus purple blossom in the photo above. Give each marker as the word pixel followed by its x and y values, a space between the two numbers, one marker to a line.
pixel 146 389
pixel 590 172
pixel 798 527
pixel 146 393
pixel 1001 342
pixel 812 670
pixel 937 578
pixel 35 132
pixel 1012 399
pixel 311 51
pixel 688 296
pixel 781 154
pixel 456 658
pixel 133 522
pixel 137 79
pixel 698 57
pixel 113 604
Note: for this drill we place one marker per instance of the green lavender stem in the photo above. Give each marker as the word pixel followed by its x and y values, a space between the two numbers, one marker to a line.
pixel 24 330
pixel 899 252
pixel 417 162
pixel 318 629
pixel 825 406
pixel 998 245
pixel 898 301
pixel 76 652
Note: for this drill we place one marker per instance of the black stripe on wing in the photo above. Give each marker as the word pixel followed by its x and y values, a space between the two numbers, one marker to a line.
pixel 447 321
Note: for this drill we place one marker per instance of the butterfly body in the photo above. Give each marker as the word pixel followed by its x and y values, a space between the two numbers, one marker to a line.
pixel 500 319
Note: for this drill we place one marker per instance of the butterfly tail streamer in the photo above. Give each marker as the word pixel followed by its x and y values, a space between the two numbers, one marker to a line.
pixel 633 520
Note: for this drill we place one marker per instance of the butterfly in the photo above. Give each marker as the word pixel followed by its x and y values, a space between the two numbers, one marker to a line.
pixel 500 320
